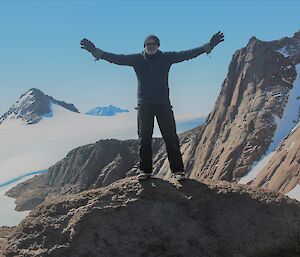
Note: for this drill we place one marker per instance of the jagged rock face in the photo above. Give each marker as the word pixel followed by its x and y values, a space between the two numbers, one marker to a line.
pixel 282 172
pixel 241 126
pixel 158 218
pixel 32 106
pixel 188 141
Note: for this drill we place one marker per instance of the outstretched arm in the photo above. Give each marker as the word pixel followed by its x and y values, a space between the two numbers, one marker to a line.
pixel 175 57
pixel 120 59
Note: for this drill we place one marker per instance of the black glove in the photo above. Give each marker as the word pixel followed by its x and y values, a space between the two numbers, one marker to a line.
pixel 216 38
pixel 87 45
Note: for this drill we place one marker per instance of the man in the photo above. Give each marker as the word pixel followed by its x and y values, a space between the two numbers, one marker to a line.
pixel 152 68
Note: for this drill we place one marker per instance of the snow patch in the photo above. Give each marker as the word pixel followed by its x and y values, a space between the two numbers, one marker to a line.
pixel 283 79
pixel 294 193
pixel 256 168
pixel 290 115
pixel 277 95
pixel 283 51
pixel 24 97
pixel 289 49
pixel 50 114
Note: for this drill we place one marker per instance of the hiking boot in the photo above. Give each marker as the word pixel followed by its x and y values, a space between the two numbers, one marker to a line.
pixel 179 175
pixel 144 175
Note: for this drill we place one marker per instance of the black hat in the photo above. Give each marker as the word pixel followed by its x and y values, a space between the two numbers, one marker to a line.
pixel 156 39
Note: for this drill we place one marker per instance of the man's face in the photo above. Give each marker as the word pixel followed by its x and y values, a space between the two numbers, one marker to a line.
pixel 150 46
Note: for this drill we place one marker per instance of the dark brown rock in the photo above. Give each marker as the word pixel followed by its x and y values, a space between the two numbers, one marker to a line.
pixel 159 218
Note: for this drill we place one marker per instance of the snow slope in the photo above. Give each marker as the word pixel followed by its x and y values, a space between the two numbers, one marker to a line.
pixel 38 146
pixel 285 126
pixel 8 215
pixel 294 193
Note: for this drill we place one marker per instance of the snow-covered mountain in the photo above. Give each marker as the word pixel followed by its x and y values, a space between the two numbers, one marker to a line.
pixel 32 106
pixel 106 111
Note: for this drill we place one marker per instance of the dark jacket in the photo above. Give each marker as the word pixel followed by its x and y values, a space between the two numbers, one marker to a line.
pixel 152 70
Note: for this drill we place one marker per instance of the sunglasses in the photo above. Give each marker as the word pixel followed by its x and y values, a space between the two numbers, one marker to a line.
pixel 149 44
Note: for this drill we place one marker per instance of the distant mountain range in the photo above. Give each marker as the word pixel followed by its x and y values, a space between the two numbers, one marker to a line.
pixel 34 105
pixel 106 111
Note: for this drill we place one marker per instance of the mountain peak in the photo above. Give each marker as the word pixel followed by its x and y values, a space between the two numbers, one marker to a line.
pixel 32 106
pixel 253 38
pixel 34 89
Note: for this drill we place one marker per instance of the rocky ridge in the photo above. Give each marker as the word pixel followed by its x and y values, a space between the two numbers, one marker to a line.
pixel 161 218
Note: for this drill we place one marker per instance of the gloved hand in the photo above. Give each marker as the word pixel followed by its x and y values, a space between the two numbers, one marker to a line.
pixel 87 45
pixel 216 38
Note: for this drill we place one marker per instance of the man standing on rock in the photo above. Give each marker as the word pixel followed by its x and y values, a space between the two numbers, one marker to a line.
pixel 152 68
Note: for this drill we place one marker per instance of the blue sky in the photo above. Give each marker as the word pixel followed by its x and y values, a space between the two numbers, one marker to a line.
pixel 40 47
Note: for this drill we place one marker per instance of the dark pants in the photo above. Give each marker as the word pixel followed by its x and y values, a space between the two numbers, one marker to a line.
pixel 166 122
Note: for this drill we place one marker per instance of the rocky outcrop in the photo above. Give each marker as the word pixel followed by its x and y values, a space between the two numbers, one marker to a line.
pixel 254 94
pixel 32 106
pixel 159 218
